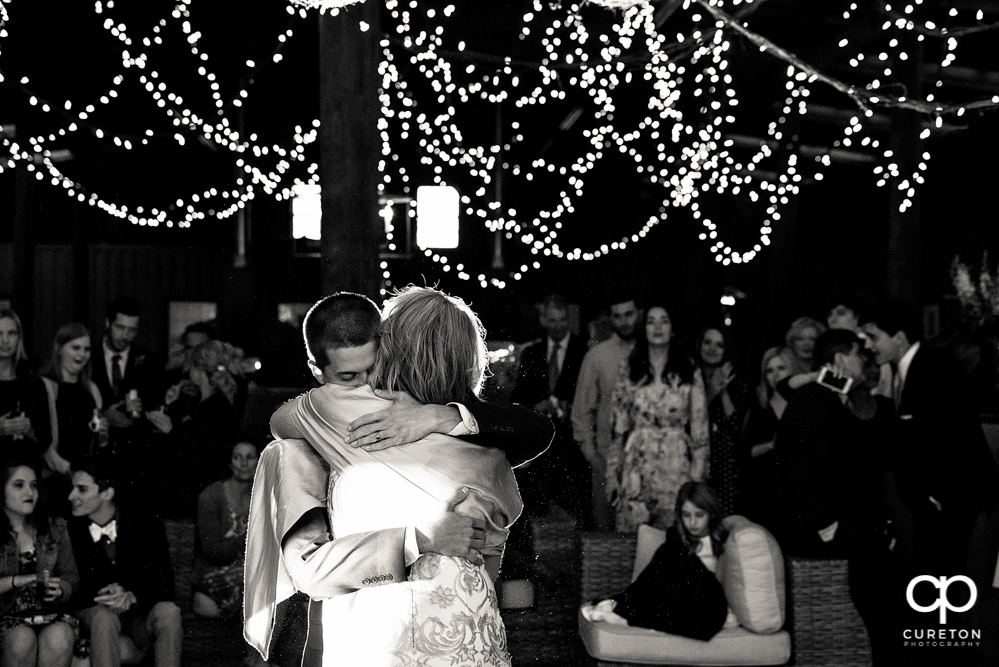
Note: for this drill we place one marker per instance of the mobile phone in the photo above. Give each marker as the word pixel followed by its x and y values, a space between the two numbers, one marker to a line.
pixel 839 385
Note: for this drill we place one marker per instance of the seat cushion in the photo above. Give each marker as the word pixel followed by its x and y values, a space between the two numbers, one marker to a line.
pixel 731 646
pixel 751 571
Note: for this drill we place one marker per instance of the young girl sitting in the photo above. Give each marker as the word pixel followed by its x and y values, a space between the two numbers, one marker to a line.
pixel 678 592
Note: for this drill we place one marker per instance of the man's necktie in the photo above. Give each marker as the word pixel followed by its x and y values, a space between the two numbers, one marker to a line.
pixel 116 374
pixel 110 531
pixel 553 368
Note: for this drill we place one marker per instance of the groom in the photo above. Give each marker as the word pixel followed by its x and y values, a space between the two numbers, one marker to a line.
pixel 341 336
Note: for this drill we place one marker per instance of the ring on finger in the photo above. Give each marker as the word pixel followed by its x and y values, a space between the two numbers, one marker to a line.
pixel 378 436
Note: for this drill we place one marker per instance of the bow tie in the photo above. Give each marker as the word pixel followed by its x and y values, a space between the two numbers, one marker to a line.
pixel 110 530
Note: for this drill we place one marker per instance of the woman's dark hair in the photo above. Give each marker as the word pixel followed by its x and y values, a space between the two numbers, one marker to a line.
pixel 703 496
pixel 678 362
pixel 39 519
pixel 700 341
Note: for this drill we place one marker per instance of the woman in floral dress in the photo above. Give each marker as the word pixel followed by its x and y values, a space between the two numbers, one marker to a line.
pixel 660 428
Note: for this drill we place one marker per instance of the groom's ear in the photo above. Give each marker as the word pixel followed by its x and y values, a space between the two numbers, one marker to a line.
pixel 316 371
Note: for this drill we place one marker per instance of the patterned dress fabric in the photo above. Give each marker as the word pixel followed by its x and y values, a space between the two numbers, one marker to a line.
pixel 446 614
pixel 663 431
pixel 28 608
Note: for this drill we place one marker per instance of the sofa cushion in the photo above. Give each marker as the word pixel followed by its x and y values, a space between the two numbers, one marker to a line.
pixel 731 646
pixel 751 571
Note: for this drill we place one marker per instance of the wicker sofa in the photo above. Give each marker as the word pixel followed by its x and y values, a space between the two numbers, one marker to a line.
pixel 825 629
pixel 751 572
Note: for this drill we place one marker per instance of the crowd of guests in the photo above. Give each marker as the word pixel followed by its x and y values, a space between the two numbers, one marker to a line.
pixel 852 429
pixel 96 448
pixel 845 423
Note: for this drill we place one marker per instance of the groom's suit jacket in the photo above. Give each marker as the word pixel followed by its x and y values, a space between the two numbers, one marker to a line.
pixel 941 450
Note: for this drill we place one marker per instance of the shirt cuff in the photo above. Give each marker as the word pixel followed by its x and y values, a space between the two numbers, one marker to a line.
pixel 468 425
pixel 412 549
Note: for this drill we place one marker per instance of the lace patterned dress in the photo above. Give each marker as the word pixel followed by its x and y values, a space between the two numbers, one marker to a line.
pixel 661 432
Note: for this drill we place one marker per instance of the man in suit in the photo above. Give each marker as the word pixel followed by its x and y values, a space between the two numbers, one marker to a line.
pixel 341 333
pixel 130 379
pixel 944 471
pixel 549 369
pixel 126 580
pixel 123 367
pixel 593 406
pixel 828 499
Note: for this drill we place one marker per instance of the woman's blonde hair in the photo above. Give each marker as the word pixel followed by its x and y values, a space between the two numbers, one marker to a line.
pixel 19 354
pixel 432 347
pixel 763 390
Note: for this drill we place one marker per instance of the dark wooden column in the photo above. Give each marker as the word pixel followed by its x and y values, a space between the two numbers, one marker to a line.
pixel 350 146
pixel 23 242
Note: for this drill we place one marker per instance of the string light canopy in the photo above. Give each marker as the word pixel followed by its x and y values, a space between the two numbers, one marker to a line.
pixel 661 96
pixel 618 4
pixel 324 5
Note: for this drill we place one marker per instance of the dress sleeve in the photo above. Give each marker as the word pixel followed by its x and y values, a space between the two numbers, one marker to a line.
pixel 584 406
pixel 66 568
pixel 699 428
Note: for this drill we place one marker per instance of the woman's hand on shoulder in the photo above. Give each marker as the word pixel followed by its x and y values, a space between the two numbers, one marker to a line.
pixel 405 421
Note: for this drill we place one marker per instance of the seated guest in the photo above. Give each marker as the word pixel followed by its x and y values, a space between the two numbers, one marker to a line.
pixel 37 575
pixel 223 510
pixel 126 580
pixel 678 592
pixel 25 424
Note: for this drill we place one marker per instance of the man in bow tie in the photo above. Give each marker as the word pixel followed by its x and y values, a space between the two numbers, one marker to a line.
pixel 126 580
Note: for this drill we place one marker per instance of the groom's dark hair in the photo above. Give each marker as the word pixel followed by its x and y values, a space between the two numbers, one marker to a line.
pixel 343 319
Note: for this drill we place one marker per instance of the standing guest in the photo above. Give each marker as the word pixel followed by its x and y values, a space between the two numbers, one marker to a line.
pixel 758 437
pixel 660 428
pixel 829 500
pixel 180 362
pixel 206 438
pixel 549 368
pixel 37 576
pixel 126 580
pixel 944 471
pixel 594 403
pixel 79 429
pixel 25 421
pixel 127 374
pixel 800 340
pixel 726 397
pixel 845 313
pixel 678 592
